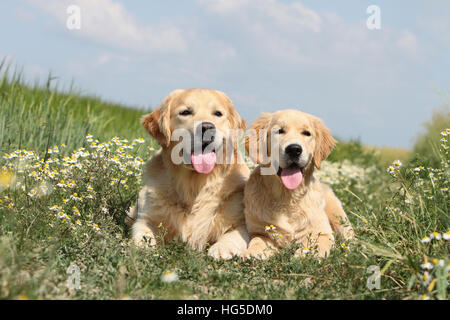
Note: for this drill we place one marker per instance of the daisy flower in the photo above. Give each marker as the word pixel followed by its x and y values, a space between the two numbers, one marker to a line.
pixel 436 235
pixel 446 235
pixel 169 276
pixel 425 240
pixel 397 163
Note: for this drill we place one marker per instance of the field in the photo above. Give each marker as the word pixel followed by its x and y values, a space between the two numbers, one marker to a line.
pixel 70 167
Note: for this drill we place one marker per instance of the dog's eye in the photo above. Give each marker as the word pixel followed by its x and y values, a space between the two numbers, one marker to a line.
pixel 218 113
pixel 281 131
pixel 185 112
pixel 306 133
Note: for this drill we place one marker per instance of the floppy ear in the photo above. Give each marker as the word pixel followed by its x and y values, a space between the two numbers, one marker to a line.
pixel 253 137
pixel 151 124
pixel 324 142
pixel 157 123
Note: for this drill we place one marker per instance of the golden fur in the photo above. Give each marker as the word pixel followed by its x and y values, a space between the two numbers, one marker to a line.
pixel 176 201
pixel 306 215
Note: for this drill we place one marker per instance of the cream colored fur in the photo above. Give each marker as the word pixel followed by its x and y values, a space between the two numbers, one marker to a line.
pixel 176 201
pixel 306 215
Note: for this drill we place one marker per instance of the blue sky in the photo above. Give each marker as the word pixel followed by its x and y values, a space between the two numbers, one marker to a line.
pixel 316 56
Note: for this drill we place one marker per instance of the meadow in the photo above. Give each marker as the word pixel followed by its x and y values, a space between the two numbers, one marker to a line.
pixel 71 165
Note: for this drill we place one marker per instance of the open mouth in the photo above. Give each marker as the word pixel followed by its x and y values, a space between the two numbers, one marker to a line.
pixel 203 160
pixel 292 176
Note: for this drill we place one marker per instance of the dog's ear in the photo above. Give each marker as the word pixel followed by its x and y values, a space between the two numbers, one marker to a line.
pixel 157 123
pixel 324 142
pixel 257 137
pixel 151 124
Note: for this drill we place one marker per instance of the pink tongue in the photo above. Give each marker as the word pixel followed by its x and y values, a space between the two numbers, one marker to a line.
pixel 291 177
pixel 203 162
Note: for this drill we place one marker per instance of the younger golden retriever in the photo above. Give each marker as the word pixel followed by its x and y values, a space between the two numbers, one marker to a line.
pixel 199 200
pixel 291 199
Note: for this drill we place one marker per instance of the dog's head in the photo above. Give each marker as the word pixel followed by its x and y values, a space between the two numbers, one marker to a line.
pixel 294 142
pixel 202 116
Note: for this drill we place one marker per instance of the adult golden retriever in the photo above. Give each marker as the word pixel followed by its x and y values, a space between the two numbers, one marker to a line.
pixel 199 199
pixel 301 209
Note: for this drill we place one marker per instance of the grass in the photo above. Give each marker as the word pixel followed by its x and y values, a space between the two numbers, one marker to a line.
pixel 39 116
pixel 65 206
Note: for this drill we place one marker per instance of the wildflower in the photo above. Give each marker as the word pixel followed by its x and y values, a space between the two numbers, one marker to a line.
pixel 55 208
pixel 436 235
pixel 277 236
pixel 425 240
pixel 169 276
pixel 148 235
pixel 418 169
pixel 78 222
pixel 426 266
pixel 75 197
pixel 425 297
pixel 391 170
pixel 426 278
pixel 61 184
pixel 446 235
pixel 32 193
pixel 76 211
pixel 62 215
pixel 397 163
pixel 267 228
pixel 438 262
pixel 305 250
pixel 96 227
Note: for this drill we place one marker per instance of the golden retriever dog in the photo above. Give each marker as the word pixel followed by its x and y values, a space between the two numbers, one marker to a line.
pixel 198 199
pixel 298 206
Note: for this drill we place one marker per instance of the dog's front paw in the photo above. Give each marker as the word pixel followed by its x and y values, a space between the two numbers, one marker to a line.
pixel 224 250
pixel 144 240
pixel 257 253
pixel 348 233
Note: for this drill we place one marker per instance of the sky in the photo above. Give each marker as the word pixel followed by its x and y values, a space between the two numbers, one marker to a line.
pixel 317 56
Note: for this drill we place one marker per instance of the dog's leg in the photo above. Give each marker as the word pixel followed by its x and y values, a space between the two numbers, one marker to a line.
pixel 336 214
pixel 259 248
pixel 142 234
pixel 324 243
pixel 230 244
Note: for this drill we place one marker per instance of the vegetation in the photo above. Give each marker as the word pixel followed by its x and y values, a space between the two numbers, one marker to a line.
pixel 38 117
pixel 428 141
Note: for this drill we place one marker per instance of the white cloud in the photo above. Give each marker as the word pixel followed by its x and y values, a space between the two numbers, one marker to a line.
pixel 108 22
pixel 293 33
pixel 292 15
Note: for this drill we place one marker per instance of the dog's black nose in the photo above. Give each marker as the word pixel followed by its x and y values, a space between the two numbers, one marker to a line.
pixel 208 132
pixel 207 126
pixel 294 150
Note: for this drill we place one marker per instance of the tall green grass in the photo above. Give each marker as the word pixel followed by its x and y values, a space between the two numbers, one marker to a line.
pixel 39 116
pixel 427 144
